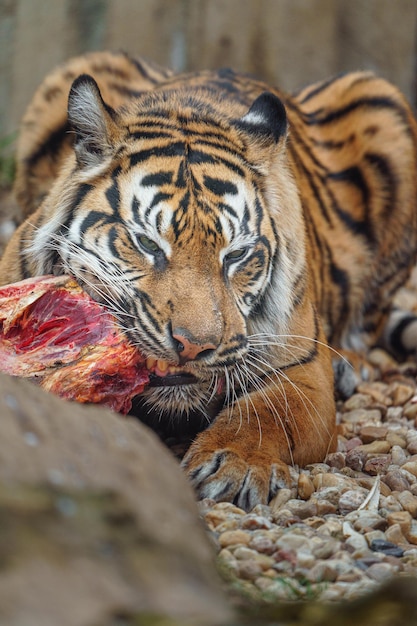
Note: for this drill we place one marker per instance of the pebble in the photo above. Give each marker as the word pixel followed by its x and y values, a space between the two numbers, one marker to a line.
pixel 372 433
pixel 401 394
pixel 254 521
pixel 411 467
pixel 394 439
pixel 351 501
pixel 408 501
pixel 280 499
pixel 233 537
pixel 412 441
pixel 402 518
pixel 410 411
pixel 396 481
pixel 358 401
pixel 377 464
pixel 411 535
pixel 379 572
pixel 336 459
pixel 394 535
pixel 305 487
pixel 398 456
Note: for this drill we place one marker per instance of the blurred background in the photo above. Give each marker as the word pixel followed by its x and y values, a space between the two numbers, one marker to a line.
pixel 287 42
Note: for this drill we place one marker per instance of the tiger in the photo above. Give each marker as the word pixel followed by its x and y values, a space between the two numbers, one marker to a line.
pixel 249 243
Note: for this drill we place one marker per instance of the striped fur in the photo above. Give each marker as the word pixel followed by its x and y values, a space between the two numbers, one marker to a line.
pixel 263 226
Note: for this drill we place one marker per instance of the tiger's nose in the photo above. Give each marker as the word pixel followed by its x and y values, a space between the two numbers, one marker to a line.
pixel 189 348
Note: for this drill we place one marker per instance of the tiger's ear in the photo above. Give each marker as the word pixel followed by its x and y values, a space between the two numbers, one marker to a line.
pixel 93 122
pixel 265 123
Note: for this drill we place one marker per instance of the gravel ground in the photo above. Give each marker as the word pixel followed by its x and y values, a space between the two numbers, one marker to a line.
pixel 344 526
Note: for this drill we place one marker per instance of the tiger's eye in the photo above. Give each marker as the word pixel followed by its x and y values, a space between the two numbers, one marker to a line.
pixel 148 244
pixel 235 255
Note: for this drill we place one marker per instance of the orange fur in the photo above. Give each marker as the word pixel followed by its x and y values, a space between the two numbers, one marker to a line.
pixel 181 202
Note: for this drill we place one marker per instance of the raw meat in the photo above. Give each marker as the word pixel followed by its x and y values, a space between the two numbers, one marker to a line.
pixel 53 332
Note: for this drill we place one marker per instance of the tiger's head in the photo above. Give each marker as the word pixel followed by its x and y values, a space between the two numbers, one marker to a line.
pixel 180 214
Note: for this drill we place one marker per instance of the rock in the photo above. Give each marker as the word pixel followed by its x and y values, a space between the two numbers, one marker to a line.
pixel 376 447
pixel 280 499
pixel 356 459
pixel 364 521
pixel 377 390
pixel 412 441
pixel 372 535
pixel 410 411
pixel 398 456
pixel 336 459
pixel 396 440
pixel 396 481
pixel 401 393
pixel 249 570
pixel 394 535
pixel 305 487
pixel 357 401
pixel 381 359
pixel 233 538
pixel 410 466
pixel 355 541
pixel 380 572
pixel 408 501
pixel 353 443
pixel 411 534
pixel 252 522
pixel 372 433
pixel 390 504
pixel 93 507
pixel 262 544
pixel 377 464
pixel 351 501
pixel 403 519
pixel 301 508
pixel 364 417
pixel 342 483
pixel 386 547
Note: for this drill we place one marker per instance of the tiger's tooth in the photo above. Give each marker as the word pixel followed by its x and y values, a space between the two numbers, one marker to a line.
pixel 162 365
pixel 150 363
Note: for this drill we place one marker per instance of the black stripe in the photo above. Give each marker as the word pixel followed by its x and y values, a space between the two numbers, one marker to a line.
pixel 317 118
pixel 307 173
pixel 395 339
pixel 220 187
pixel 150 134
pixel 157 180
pixel 322 86
pixel 354 176
pixel 93 218
pixel 82 192
pixel 388 180
pixel 170 150
pixel 143 70
pixel 199 157
pixel 52 146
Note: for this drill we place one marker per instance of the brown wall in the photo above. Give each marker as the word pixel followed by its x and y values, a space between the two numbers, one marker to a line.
pixel 287 42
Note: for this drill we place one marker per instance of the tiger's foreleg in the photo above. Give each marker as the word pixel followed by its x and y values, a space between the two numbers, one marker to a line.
pixel 244 455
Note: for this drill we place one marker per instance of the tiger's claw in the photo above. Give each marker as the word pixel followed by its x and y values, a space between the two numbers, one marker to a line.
pixel 225 475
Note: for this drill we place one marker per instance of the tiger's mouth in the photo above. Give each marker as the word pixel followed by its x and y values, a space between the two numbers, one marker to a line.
pixel 165 374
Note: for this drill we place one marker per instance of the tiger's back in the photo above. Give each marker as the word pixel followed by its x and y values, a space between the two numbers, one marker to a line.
pixel 45 138
pixel 178 189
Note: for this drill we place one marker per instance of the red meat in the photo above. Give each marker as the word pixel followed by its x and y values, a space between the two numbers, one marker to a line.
pixel 53 332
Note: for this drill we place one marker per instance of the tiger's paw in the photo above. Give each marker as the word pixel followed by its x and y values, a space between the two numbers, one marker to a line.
pixel 225 475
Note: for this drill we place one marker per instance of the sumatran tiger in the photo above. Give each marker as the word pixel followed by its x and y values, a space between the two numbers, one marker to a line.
pixel 242 237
